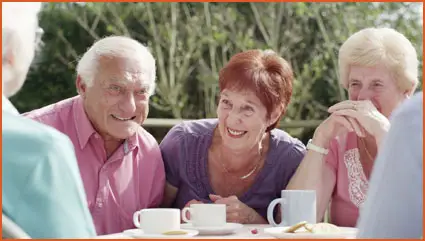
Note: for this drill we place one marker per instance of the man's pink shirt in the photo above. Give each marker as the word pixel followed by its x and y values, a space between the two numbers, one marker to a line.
pixel 132 178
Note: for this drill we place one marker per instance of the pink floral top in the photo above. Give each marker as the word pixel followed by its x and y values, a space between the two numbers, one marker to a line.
pixel 349 192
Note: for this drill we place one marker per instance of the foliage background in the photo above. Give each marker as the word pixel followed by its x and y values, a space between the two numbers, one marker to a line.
pixel 192 41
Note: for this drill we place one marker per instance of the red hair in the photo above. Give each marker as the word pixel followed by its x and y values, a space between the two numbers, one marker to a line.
pixel 265 73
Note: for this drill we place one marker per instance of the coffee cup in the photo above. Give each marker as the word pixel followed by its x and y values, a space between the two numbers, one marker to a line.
pixel 157 220
pixel 205 215
pixel 296 206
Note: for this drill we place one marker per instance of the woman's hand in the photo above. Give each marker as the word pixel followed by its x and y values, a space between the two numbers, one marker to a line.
pixel 366 114
pixel 332 126
pixel 237 211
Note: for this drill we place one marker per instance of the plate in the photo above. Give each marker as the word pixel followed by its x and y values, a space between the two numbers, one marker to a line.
pixel 138 233
pixel 278 232
pixel 222 230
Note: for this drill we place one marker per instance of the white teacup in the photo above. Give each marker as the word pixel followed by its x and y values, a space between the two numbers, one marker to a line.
pixel 296 206
pixel 205 215
pixel 157 220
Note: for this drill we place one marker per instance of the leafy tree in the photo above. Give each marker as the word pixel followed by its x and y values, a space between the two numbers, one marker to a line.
pixel 192 41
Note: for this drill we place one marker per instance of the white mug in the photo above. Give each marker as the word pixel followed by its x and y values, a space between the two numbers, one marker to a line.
pixel 157 220
pixel 205 215
pixel 296 206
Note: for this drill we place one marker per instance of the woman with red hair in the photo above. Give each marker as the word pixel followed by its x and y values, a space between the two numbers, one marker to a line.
pixel 239 159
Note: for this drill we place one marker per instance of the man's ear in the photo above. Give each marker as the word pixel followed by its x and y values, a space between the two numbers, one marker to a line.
pixel 10 74
pixel 408 93
pixel 8 58
pixel 81 86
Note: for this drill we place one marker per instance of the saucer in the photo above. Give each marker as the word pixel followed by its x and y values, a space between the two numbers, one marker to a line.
pixel 279 232
pixel 228 228
pixel 138 233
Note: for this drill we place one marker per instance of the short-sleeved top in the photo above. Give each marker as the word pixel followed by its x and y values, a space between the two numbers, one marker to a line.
pixel 185 154
pixel 349 192
pixel 42 190
pixel 132 178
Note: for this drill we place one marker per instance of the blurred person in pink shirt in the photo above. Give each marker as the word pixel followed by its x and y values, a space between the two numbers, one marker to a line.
pixel 120 162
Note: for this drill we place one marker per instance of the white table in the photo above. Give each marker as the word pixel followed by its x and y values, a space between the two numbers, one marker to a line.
pixel 243 233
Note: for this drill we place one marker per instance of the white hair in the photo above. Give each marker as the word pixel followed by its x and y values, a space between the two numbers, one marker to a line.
pixel 372 46
pixel 120 47
pixel 19 25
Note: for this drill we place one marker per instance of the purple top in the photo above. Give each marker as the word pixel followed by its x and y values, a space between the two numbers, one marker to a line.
pixel 185 154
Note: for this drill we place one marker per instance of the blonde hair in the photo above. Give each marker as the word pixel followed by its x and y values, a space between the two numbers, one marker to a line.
pixel 373 46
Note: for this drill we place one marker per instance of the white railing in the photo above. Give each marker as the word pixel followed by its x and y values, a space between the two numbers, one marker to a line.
pixel 157 122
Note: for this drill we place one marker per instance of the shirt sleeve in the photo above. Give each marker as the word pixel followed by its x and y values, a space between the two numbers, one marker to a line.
pixel 173 153
pixel 296 155
pixel 393 208
pixel 54 195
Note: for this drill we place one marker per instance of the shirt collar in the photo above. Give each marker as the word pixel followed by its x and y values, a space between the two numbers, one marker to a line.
pixel 133 141
pixel 7 106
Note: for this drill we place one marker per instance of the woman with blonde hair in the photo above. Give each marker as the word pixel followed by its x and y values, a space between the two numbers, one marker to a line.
pixel 379 69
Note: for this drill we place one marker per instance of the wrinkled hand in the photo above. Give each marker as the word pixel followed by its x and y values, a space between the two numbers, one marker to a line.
pixel 334 125
pixel 366 114
pixel 236 211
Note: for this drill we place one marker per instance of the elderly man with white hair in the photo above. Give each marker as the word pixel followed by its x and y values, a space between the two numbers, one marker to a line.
pixel 120 162
pixel 42 191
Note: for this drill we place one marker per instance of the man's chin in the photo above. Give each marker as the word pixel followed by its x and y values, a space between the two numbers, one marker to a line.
pixel 123 132
pixel 126 134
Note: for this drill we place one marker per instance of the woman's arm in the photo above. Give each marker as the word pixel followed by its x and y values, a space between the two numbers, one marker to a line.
pixel 309 173
pixel 314 174
pixel 328 185
pixel 170 193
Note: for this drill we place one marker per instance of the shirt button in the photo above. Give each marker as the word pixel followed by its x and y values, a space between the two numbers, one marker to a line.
pixel 99 205
pixel 96 136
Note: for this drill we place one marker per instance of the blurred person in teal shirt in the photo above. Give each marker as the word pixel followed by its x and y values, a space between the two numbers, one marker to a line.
pixel 41 185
